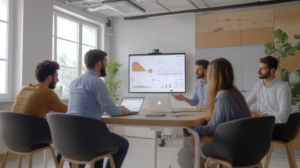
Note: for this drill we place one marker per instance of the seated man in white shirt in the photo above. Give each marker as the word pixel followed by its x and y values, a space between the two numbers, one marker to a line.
pixel 272 96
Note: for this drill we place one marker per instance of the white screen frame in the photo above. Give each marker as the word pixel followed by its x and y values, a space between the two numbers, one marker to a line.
pixel 153 54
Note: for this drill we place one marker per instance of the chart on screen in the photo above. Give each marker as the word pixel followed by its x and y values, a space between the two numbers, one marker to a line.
pixel 157 73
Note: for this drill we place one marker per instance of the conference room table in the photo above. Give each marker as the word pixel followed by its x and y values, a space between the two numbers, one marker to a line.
pixel 194 118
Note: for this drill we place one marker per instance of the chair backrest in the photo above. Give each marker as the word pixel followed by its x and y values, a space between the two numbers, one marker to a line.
pixel 23 132
pixel 80 138
pixel 242 142
pixel 290 129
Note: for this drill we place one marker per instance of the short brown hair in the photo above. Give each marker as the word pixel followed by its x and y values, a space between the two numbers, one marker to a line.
pixel 271 62
pixel 92 57
pixel 202 62
pixel 44 69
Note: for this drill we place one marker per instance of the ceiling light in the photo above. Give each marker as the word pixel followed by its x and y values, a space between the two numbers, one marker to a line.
pixel 93 9
pixel 76 1
pixel 95 4
pixel 142 1
pixel 125 7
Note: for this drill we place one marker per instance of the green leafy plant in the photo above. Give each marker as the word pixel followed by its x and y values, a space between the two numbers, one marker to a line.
pixel 297 36
pixel 112 70
pixel 295 84
pixel 285 49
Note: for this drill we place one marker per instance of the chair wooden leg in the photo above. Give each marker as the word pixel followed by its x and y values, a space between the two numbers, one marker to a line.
pixel 268 157
pixel 54 158
pixel 288 153
pixel 20 161
pixel 260 165
pixel 207 163
pixel 111 161
pixel 5 159
pixel 292 156
pixel 30 160
pixel 61 163
pixel 92 164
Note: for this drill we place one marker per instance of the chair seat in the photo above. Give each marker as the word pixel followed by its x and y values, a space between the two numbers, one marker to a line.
pixel 28 149
pixel 87 156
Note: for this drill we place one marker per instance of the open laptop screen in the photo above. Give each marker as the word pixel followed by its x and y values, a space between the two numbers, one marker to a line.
pixel 133 104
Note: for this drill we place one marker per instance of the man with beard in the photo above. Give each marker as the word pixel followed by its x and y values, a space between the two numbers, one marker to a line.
pixel 39 99
pixel 89 97
pixel 271 95
pixel 200 88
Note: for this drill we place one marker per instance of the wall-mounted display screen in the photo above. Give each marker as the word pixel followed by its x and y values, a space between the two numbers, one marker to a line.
pixel 157 73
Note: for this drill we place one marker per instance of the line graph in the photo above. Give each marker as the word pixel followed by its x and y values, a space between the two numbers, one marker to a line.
pixel 172 69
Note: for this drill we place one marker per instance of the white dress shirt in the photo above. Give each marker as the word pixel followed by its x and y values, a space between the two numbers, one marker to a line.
pixel 274 99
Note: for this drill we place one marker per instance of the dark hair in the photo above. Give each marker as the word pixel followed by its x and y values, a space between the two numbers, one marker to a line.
pixel 271 61
pixel 92 57
pixel 202 62
pixel 44 69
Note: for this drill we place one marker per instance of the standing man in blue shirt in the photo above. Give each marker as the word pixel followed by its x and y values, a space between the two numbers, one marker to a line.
pixel 89 97
pixel 200 90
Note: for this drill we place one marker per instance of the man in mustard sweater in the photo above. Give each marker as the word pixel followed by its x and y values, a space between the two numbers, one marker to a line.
pixel 39 99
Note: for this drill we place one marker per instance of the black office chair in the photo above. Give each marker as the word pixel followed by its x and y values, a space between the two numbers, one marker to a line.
pixel 24 134
pixel 81 140
pixel 240 143
pixel 288 132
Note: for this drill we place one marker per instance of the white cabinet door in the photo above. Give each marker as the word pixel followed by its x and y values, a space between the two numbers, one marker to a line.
pixel 232 54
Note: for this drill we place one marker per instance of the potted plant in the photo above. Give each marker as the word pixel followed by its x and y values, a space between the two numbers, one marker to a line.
pixel 285 49
pixel 112 70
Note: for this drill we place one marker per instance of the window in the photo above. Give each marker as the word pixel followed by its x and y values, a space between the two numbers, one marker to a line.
pixel 72 38
pixel 4 49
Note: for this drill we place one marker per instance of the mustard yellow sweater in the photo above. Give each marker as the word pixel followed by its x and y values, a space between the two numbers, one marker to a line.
pixel 38 100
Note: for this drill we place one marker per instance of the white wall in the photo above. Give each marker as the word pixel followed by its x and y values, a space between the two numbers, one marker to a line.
pixel 172 34
pixel 37 36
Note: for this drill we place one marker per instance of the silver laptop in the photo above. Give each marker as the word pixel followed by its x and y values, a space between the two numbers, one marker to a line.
pixel 160 104
pixel 133 104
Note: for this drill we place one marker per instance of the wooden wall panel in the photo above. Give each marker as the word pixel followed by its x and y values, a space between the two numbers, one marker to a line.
pixel 219 39
pixel 288 19
pixel 234 21
pixel 257 36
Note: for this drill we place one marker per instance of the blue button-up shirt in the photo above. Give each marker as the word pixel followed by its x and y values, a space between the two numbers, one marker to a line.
pixel 89 97
pixel 199 95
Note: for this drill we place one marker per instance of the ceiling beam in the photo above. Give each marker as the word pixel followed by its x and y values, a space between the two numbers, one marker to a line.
pixel 192 3
pixel 205 3
pixel 246 5
pixel 163 6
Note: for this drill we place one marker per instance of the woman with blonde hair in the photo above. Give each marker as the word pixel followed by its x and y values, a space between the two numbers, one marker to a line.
pixel 224 103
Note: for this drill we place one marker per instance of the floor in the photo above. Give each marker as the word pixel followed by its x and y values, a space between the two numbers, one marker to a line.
pixel 140 155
